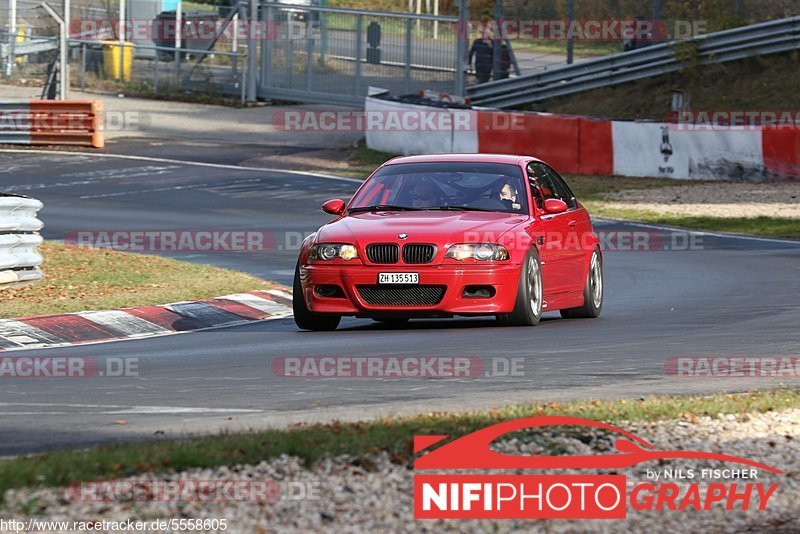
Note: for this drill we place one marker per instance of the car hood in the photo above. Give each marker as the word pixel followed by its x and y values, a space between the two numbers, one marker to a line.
pixel 441 228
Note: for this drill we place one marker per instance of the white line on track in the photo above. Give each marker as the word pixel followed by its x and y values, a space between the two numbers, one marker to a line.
pixel 118 409
pixel 181 162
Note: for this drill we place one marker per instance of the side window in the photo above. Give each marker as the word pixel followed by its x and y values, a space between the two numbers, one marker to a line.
pixel 542 184
pixel 551 185
pixel 564 192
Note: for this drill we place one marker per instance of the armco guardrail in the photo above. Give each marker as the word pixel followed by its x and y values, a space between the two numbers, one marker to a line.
pixel 52 122
pixel 19 239
pixel 759 39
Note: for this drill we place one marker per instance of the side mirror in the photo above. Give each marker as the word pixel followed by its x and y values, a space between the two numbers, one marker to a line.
pixel 334 207
pixel 555 206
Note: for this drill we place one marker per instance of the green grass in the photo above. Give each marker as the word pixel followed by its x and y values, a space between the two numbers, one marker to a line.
pixel 588 188
pixel 393 435
pixel 79 279
pixel 760 226
pixel 751 84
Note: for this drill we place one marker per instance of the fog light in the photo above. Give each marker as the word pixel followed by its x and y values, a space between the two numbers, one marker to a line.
pixel 329 291
pixel 478 292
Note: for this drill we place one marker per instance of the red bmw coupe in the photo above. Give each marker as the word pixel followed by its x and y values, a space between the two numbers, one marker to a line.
pixel 447 235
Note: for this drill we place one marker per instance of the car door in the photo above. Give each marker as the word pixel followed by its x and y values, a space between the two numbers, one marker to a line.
pixel 559 245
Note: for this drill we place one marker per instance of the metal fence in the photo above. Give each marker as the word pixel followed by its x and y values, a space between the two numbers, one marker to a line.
pixel 730 45
pixel 300 53
pixel 335 55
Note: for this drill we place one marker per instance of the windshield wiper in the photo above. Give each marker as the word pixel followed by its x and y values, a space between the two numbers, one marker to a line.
pixel 380 207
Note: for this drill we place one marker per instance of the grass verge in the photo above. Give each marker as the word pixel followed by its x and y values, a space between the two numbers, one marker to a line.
pixel 79 279
pixel 760 226
pixel 394 435
pixel 757 83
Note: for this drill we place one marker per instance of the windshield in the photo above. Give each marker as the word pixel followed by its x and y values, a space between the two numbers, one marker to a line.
pixel 496 187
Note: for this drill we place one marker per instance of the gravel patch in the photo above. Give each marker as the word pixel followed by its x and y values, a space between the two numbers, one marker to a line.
pixel 720 199
pixel 375 493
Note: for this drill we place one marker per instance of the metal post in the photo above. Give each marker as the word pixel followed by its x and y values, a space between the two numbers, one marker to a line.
pixel 266 46
pixel 12 37
pixel 155 71
pixel 252 53
pixel 83 67
pixel 323 33
pixel 178 39
pixel 65 69
pixel 289 55
pixel 235 45
pixel 62 52
pixel 418 11
pixel 462 50
pixel 122 18
pixel 570 36
pixel 309 52
pixel 359 46
pixel 436 22
pixel 409 41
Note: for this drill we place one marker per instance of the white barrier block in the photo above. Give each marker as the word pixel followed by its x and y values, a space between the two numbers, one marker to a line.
pixel 662 150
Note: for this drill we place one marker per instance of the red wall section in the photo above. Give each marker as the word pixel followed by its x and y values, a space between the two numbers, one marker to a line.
pixel 551 138
pixel 781 150
pixel 595 147
pixel 570 144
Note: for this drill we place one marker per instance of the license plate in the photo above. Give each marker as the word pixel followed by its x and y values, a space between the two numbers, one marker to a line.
pixel 398 278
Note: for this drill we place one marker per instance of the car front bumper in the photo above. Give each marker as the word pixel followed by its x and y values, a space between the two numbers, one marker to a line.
pixel 454 279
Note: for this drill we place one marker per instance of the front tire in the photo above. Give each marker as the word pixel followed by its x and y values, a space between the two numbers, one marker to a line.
pixel 304 318
pixel 592 292
pixel 528 307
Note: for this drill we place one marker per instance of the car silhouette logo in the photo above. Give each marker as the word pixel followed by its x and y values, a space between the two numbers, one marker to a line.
pixel 473 450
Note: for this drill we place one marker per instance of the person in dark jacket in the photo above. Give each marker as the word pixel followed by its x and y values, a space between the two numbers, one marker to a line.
pixel 504 65
pixel 484 57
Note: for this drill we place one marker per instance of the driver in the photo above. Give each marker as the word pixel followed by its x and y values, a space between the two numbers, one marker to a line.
pixel 508 196
pixel 425 195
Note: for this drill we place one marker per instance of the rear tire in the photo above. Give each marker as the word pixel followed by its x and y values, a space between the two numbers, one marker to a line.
pixel 304 318
pixel 592 292
pixel 528 307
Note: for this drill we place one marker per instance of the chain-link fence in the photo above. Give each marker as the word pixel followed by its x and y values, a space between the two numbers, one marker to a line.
pixel 317 53
pixel 334 54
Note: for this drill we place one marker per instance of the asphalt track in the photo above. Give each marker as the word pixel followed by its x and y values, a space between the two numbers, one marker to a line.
pixel 728 296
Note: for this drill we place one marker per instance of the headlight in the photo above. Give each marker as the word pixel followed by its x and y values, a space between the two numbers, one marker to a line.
pixel 332 251
pixel 477 251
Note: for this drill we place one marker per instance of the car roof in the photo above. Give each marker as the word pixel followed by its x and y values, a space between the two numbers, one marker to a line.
pixel 462 158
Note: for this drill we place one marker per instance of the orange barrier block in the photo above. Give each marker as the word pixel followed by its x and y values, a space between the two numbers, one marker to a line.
pixel 56 122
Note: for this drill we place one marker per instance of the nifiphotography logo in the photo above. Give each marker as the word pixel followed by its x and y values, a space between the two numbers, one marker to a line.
pixel 591 496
